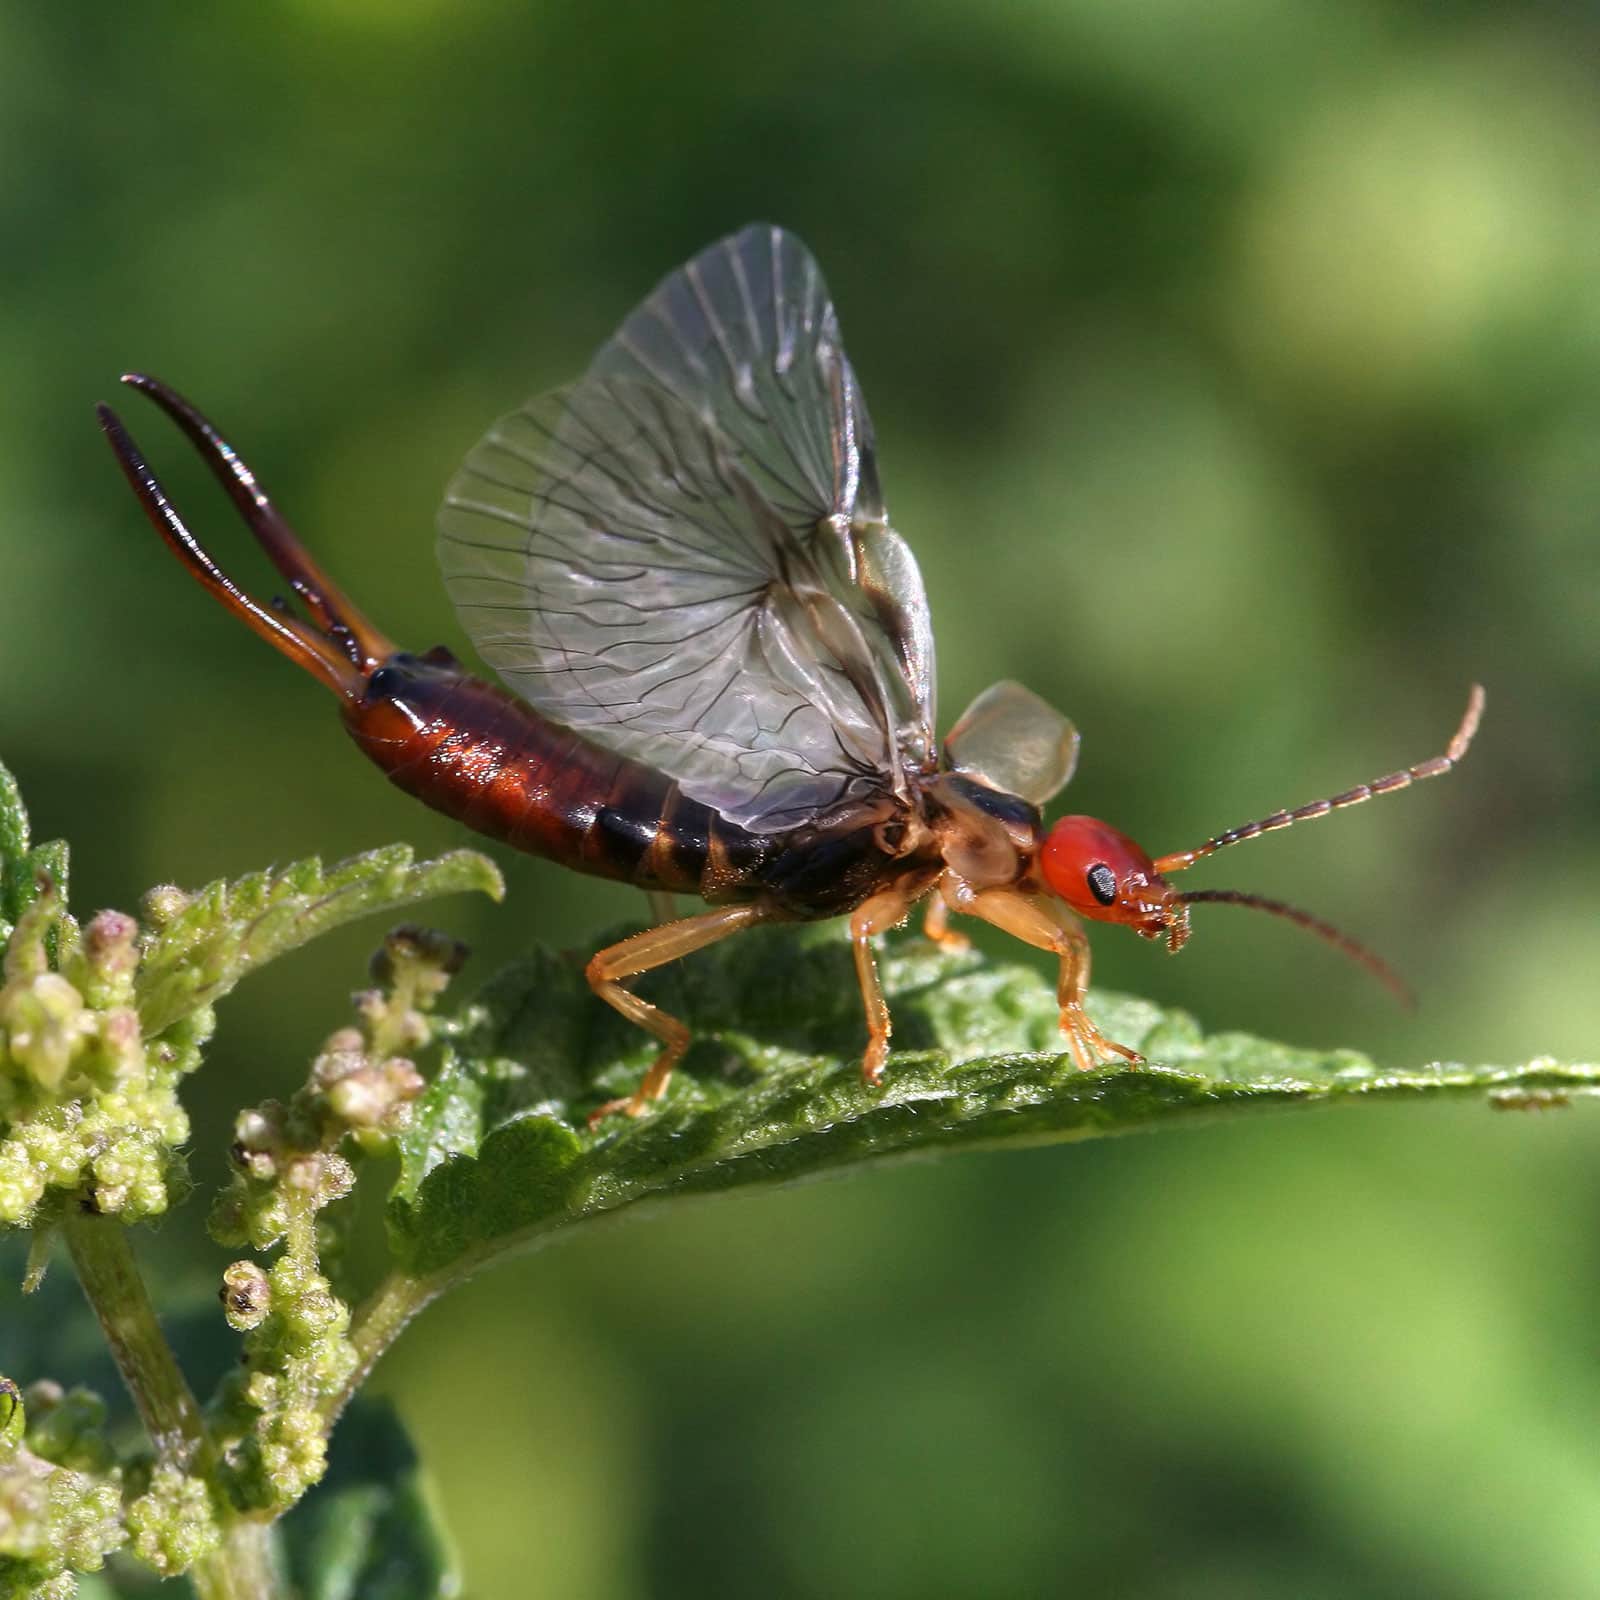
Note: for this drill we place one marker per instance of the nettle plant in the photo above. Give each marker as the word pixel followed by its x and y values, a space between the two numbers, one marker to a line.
pixel 473 1119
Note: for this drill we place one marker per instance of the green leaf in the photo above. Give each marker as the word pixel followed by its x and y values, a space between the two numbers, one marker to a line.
pixel 229 929
pixel 13 819
pixel 499 1154
pixel 21 866
pixel 369 1530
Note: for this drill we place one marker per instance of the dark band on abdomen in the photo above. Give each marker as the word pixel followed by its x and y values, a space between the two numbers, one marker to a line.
pixel 477 754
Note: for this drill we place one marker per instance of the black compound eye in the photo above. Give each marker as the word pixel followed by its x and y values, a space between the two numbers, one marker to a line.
pixel 1102 883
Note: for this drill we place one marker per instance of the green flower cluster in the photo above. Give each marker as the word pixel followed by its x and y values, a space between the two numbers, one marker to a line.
pixel 172 1523
pixel 60 1501
pixel 288 1168
pixel 271 1431
pixel 99 1023
pixel 87 1106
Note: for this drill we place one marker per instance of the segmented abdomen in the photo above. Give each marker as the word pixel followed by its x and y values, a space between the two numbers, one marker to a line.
pixel 483 757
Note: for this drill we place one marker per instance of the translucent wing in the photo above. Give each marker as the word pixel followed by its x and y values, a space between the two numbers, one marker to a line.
pixel 685 555
pixel 1012 740
pixel 746 336
pixel 613 560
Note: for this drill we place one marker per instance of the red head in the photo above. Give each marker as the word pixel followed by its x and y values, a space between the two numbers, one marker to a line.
pixel 1104 875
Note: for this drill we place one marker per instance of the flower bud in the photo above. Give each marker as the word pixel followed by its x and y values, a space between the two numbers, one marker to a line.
pixel 246 1296
pixel 163 904
pixel 111 953
pixel 45 1023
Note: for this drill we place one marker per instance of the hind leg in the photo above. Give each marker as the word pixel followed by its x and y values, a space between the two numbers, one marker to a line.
pixel 877 915
pixel 656 947
pixel 936 926
pixel 663 906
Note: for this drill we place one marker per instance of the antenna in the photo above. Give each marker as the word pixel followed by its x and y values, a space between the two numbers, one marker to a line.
pixel 1358 952
pixel 1434 768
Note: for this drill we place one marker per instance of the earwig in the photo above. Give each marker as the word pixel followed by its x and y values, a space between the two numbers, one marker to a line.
pixel 719 665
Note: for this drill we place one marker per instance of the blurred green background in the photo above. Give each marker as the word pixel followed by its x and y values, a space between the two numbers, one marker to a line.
pixel 1236 370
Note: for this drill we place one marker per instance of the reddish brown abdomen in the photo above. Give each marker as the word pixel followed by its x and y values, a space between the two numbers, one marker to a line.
pixel 480 755
pixel 477 754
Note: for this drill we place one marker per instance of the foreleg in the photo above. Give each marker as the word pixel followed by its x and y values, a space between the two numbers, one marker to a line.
pixel 1041 922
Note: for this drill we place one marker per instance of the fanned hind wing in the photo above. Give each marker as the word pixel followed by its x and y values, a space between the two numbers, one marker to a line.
pixel 685 554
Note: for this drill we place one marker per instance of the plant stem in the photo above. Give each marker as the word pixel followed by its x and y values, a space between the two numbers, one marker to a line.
pixel 374 1327
pixel 243 1568
pixel 113 1286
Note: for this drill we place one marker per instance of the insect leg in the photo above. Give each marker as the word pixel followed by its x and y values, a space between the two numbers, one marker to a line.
pixel 936 926
pixel 877 915
pixel 1038 922
pixel 642 953
pixel 663 906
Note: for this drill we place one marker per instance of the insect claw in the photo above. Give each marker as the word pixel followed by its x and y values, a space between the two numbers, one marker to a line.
pixel 630 1105
pixel 1090 1048
pixel 874 1061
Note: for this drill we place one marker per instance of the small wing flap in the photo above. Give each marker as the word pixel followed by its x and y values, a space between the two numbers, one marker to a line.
pixel 1011 740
